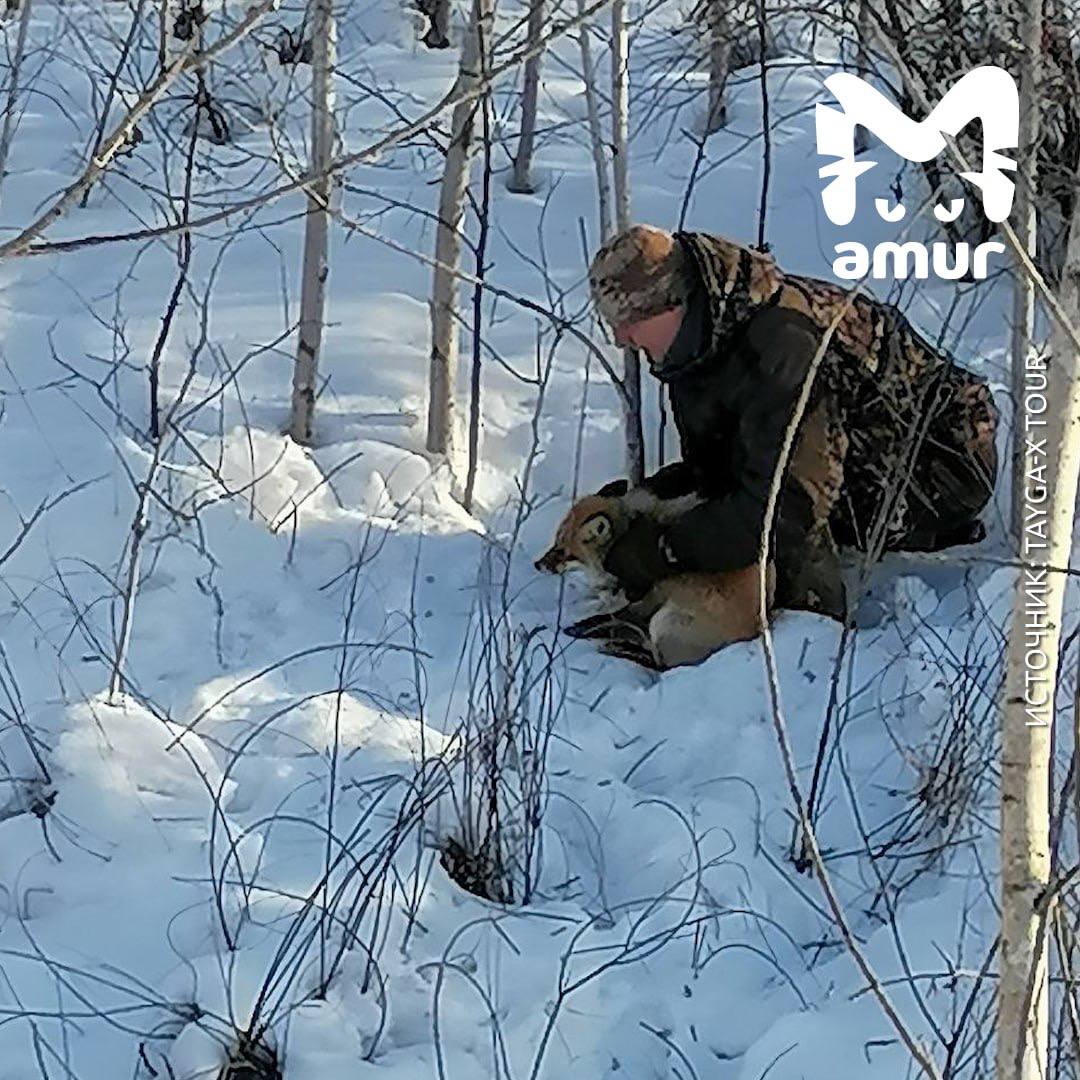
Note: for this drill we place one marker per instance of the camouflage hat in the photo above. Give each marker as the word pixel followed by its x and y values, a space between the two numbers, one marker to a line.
pixel 638 274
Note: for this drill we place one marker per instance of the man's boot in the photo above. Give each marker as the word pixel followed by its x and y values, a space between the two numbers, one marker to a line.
pixel 808 578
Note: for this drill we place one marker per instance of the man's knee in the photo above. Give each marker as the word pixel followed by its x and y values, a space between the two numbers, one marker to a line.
pixel 961 459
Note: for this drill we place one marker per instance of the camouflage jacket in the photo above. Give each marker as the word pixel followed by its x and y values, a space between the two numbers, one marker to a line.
pixel 896 449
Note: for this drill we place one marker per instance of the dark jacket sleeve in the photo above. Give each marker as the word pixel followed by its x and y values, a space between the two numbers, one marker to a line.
pixel 766 368
pixel 671 481
pixel 668 482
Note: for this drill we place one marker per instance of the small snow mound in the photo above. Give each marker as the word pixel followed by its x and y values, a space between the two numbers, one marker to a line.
pixel 310 721
pixel 840 1035
pixel 126 765
pixel 328 1037
pixel 275 476
pixel 393 485
pixel 360 726
pixel 196 1054
pixel 290 486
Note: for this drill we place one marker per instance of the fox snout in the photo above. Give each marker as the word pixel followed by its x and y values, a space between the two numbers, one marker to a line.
pixel 552 561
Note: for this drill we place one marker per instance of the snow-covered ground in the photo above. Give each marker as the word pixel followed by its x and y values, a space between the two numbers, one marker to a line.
pixel 309 625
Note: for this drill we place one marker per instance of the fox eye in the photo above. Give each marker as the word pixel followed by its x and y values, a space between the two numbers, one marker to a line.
pixel 596 528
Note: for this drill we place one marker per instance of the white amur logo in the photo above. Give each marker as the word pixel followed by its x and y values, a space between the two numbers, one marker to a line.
pixel 988 94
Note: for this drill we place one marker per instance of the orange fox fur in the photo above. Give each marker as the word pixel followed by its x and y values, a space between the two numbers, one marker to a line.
pixel 683 618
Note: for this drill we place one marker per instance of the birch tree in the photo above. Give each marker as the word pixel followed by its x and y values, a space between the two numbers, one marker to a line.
pixel 445 288
pixel 620 138
pixel 1025 217
pixel 317 221
pixel 865 23
pixel 14 70
pixel 181 27
pixel 719 64
pixel 620 112
pixel 1023 1015
pixel 437 35
pixel 596 134
pixel 530 95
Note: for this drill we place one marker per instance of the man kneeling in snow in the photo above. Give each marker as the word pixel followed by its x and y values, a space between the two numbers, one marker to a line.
pixel 895 451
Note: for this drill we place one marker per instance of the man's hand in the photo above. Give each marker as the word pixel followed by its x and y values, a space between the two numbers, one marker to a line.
pixel 640 558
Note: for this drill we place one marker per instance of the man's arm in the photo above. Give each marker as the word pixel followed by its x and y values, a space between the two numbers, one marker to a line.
pixel 725 533
pixel 670 482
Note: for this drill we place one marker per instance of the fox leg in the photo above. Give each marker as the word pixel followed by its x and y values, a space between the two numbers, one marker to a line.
pixel 644 655
pixel 678 637
pixel 632 619
pixel 607 624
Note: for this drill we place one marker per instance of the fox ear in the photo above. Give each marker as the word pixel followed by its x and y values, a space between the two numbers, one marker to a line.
pixel 598 527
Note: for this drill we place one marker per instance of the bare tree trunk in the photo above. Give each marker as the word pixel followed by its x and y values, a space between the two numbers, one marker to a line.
pixel 165 18
pixel 13 86
pixel 475 412
pixel 180 29
pixel 1030 681
pixel 139 526
pixel 1025 218
pixel 522 178
pixel 438 31
pixel 317 222
pixel 719 64
pixel 620 121
pixel 620 112
pixel 596 134
pixel 864 30
pixel 444 293
pixel 111 91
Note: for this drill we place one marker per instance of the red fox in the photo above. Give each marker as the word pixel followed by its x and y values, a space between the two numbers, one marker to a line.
pixel 683 618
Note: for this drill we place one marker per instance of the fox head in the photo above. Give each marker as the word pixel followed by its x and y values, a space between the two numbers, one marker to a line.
pixel 584 536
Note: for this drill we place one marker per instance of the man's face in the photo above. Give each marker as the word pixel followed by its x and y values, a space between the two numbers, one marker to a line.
pixel 654 334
